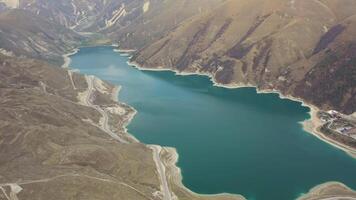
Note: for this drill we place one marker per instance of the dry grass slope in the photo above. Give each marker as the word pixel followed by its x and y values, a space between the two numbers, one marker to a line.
pixel 273 45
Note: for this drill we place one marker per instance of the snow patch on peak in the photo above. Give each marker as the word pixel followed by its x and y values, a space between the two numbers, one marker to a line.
pixel 146 6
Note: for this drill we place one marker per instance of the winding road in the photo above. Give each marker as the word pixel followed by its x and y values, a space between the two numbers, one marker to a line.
pixel 161 171
pixel 104 125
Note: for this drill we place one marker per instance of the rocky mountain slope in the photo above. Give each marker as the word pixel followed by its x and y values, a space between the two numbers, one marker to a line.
pixel 301 48
pixel 25 34
pixel 155 20
pixel 57 148
pixel 52 143
pixel 81 15
pixel 135 22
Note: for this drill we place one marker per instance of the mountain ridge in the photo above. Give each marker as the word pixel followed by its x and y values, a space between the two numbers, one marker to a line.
pixel 301 48
pixel 25 34
pixel 262 52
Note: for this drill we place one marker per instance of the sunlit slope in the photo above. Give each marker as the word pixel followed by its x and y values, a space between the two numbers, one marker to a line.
pixel 158 18
pixel 260 43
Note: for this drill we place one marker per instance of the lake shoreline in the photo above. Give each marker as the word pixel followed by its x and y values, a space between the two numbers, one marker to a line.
pixel 171 156
pixel 172 170
pixel 321 192
pixel 309 125
pixel 67 59
pixel 313 121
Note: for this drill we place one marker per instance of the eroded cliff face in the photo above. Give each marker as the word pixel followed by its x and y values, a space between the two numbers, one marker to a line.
pixel 301 48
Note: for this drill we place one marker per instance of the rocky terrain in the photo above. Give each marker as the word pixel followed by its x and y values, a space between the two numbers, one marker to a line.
pixel 50 143
pixel 63 135
pixel 155 20
pixel 80 15
pixel 133 23
pixel 23 33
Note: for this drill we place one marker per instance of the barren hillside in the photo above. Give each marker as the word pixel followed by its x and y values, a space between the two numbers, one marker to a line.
pixel 273 45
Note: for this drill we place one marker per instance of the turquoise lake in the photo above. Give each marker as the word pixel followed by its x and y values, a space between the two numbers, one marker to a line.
pixel 234 141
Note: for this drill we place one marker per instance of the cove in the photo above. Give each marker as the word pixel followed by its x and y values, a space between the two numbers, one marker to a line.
pixel 228 140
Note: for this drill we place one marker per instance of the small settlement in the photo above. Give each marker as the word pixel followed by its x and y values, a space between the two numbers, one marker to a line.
pixel 339 126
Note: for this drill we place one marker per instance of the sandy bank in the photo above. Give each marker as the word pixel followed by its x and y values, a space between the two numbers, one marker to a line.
pixel 67 59
pixel 170 158
pixel 329 191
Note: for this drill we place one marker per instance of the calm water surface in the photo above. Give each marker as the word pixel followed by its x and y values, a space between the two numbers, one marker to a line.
pixel 234 141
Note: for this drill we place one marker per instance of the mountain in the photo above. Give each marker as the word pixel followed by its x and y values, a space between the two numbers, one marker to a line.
pixel 155 19
pixel 86 15
pixel 281 45
pixel 79 15
pixel 52 140
pixel 59 151
pixel 132 22
pixel 26 34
